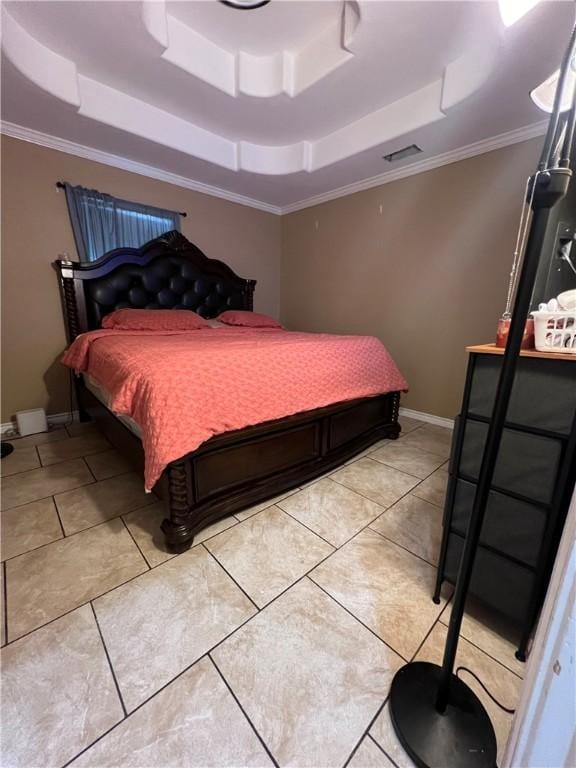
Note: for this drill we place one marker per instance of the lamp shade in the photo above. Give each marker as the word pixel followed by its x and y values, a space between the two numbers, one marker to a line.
pixel 543 95
pixel 512 11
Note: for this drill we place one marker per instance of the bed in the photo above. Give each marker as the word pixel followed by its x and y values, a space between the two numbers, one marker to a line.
pixel 233 469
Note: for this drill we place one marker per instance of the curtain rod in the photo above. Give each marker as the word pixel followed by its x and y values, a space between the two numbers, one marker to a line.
pixel 61 185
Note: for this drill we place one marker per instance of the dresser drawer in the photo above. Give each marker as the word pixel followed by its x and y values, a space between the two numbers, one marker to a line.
pixel 527 464
pixel 499 582
pixel 510 526
pixel 543 396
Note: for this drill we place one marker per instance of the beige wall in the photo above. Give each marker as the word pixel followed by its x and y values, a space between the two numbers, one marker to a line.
pixel 427 274
pixel 36 229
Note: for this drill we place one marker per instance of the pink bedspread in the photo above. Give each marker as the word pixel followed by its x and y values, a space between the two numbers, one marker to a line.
pixel 184 387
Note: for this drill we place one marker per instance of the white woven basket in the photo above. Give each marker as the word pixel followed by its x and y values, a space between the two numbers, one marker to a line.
pixel 555 331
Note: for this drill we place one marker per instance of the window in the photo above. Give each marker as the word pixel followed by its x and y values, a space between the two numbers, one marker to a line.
pixel 101 222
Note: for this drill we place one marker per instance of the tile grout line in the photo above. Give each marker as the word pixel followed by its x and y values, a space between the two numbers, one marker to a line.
pixel 89 468
pixel 366 731
pixel 68 458
pixel 82 530
pixel 172 680
pixel 368 497
pixel 153 500
pixel 40 546
pixel 208 538
pixel 213 556
pixel 384 509
pixel 478 648
pixel 436 620
pixel 397 442
pixel 61 528
pixel 380 463
pixel 440 506
pixel 208 654
pixel 334 546
pixel 42 498
pixel 146 701
pixel 381 708
pixel 109 661
pixel 37 454
pixel 358 493
pixel 70 436
pixel 159 565
pixel 436 623
pixel 274 599
pixel 5 597
pixel 134 540
pixel 377 636
pixel 373 740
pixel 368 524
pixel 243 623
pixel 391 541
pixel 142 704
pixel 58 463
pixel 117 586
pixel 292 492
pixel 177 555
pixel 76 607
pixel 415 477
pixel 237 700
pixel 351 755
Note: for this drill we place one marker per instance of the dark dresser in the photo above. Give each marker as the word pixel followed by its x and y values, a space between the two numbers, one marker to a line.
pixel 532 487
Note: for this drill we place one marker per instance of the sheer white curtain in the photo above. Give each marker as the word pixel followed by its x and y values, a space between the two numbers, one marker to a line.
pixel 101 222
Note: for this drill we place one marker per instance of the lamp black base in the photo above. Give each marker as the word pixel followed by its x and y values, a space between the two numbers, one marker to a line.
pixel 462 737
pixel 7 449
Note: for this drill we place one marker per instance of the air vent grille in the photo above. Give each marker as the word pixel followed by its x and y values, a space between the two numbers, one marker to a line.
pixel 400 154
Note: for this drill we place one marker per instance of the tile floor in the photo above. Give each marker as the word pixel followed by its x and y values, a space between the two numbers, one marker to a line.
pixel 273 641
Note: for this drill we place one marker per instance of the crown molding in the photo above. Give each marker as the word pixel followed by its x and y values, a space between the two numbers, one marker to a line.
pixel 89 153
pixel 421 166
pixel 59 76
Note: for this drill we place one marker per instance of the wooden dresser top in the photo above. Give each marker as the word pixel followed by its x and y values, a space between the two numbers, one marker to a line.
pixel 492 349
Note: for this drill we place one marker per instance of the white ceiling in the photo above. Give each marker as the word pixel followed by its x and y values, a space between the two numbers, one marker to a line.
pixel 284 25
pixel 279 104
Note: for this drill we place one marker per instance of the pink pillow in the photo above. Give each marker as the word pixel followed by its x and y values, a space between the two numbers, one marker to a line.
pixel 248 319
pixel 154 320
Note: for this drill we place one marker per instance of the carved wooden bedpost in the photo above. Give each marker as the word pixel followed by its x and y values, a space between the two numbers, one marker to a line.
pixel 395 405
pixel 74 309
pixel 178 527
pixel 249 294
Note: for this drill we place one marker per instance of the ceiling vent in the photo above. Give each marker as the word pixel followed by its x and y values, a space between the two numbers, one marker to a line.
pixel 402 153
pixel 245 5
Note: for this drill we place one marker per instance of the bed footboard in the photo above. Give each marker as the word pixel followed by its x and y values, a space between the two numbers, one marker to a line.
pixel 242 468
pixel 238 469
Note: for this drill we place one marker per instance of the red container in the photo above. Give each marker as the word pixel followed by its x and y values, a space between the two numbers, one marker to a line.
pixel 504 329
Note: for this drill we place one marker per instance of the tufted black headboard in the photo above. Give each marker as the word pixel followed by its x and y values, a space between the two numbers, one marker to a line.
pixel 166 273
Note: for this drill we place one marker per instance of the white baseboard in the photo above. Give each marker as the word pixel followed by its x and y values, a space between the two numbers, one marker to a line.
pixel 439 421
pixel 9 428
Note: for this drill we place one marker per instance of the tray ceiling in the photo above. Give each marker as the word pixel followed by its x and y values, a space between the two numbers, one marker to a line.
pixel 282 103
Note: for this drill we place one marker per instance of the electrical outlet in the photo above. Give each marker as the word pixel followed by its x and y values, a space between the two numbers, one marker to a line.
pixel 565 250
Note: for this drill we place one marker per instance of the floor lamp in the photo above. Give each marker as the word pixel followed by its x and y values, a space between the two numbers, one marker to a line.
pixel 5 449
pixel 438 719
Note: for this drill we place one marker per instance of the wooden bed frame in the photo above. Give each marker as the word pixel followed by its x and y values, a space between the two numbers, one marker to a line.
pixel 237 469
